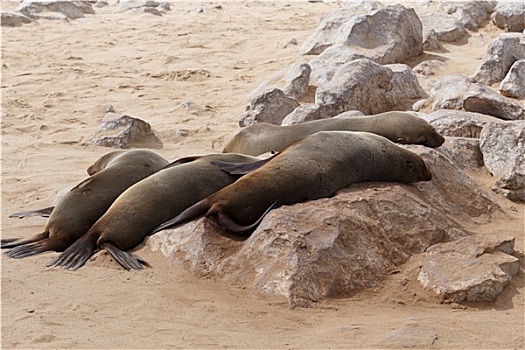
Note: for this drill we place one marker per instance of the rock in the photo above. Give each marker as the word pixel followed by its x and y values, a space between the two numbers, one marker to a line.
pixel 359 85
pixel 325 65
pixel 316 249
pixel 349 114
pixel 293 81
pixel 509 15
pixel 448 92
pixel 13 19
pixel 411 335
pixel 473 14
pixel 483 100
pixel 150 5
pixel 503 148
pixel 122 131
pixel 405 82
pixel 501 54
pixel 445 28
pixel 430 40
pixel 85 6
pixel 269 107
pixel 39 9
pixel 306 113
pixel 329 28
pixel 463 151
pixel 101 4
pixel 449 122
pixel 514 83
pixel 474 269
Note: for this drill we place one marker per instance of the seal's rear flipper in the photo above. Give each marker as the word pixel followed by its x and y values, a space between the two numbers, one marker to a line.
pixel 44 212
pixel 15 242
pixel 37 247
pixel 240 168
pixel 181 161
pixel 198 209
pixel 126 260
pixel 230 225
pixel 77 254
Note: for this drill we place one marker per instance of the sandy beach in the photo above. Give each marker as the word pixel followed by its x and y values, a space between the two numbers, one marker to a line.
pixel 192 71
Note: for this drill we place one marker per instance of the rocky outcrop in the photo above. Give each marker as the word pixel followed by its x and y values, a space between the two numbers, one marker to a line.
pixel 463 152
pixel 270 107
pixel 42 9
pixel 307 113
pixel 406 85
pixel 450 122
pixel 473 14
pixel 501 54
pixel 475 268
pixel 514 83
pixel 293 81
pixel 445 28
pixel 509 15
pixel 447 93
pixel 483 100
pixel 13 19
pixel 122 131
pixel 503 148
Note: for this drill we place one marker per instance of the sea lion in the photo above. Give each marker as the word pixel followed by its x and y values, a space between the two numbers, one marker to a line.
pixel 315 167
pixel 81 207
pixel 146 205
pixel 399 127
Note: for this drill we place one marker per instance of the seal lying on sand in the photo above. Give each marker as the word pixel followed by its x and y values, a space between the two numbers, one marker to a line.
pixel 81 207
pixel 312 168
pixel 399 127
pixel 146 205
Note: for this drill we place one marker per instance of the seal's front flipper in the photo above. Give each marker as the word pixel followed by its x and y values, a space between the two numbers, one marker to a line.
pixel 77 254
pixel 240 168
pixel 126 260
pixel 44 212
pixel 15 242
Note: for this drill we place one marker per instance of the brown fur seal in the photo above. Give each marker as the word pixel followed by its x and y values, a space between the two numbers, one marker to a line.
pixel 399 127
pixel 78 209
pixel 146 205
pixel 312 168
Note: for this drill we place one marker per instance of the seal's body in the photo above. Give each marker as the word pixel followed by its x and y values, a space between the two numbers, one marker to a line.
pixel 146 205
pixel 83 205
pixel 312 168
pixel 399 127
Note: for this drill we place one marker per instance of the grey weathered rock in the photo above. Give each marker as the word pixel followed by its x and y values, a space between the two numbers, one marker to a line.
pixel 501 54
pixel 269 107
pixel 349 114
pixel 159 6
pixel 483 100
pixel 359 85
pixel 307 113
pixel 121 131
pixel 503 148
pixel 293 81
pixel 463 151
pixel 509 15
pixel 329 28
pixel 473 14
pixel 448 92
pixel 428 68
pixel 85 6
pixel 13 19
pixel 326 64
pixel 449 122
pixel 40 9
pixel 405 82
pixel 430 40
pixel 446 28
pixel 475 268
pixel 514 83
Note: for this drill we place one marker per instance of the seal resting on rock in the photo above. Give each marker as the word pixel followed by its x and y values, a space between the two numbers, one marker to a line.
pixel 315 167
pixel 399 127
pixel 146 205
pixel 85 203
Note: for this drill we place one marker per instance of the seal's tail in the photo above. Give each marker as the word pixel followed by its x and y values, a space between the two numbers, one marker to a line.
pixel 78 253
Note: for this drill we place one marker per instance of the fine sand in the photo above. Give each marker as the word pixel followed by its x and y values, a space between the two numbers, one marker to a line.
pixel 191 71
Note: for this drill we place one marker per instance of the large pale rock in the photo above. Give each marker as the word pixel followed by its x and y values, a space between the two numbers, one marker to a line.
pixel 127 5
pixel 122 131
pixel 39 9
pixel 428 68
pixel 445 28
pixel 306 113
pixel 509 15
pixel 449 122
pixel 13 19
pixel 448 92
pixel 483 100
pixel 293 81
pixel 463 151
pixel 329 28
pixel 473 14
pixel 475 268
pixel 514 83
pixel 327 63
pixel 501 54
pixel 359 85
pixel 272 106
pixel 405 82
pixel 503 148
